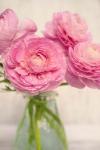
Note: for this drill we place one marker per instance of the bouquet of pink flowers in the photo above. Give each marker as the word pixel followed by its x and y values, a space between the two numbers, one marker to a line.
pixel 35 65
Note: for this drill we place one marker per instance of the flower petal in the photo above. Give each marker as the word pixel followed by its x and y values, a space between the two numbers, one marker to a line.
pixel 26 26
pixel 74 80
pixel 8 28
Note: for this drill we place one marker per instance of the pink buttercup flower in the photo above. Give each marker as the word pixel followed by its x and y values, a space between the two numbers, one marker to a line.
pixel 35 64
pixel 11 28
pixel 68 28
pixel 83 68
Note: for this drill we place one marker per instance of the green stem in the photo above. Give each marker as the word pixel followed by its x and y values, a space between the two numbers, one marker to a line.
pixel 37 129
pixel 35 104
pixel 58 129
pixel 53 115
pixel 31 130
pixel 42 104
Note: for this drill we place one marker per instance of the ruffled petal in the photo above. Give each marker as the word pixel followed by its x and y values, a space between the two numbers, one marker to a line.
pixel 26 26
pixel 74 80
pixel 8 28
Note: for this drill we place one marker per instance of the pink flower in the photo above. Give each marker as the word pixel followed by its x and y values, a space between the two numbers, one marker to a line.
pixel 68 28
pixel 83 68
pixel 35 64
pixel 11 28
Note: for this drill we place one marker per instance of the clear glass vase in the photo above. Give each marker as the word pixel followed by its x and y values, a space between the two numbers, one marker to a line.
pixel 41 127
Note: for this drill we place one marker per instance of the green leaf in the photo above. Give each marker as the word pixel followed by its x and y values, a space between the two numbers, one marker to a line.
pixel 5 81
pixel 7 88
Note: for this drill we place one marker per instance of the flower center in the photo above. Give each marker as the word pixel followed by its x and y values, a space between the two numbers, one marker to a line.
pixel 38 59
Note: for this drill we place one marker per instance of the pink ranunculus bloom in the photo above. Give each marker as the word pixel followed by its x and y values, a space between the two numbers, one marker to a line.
pixel 11 28
pixel 83 68
pixel 35 64
pixel 68 28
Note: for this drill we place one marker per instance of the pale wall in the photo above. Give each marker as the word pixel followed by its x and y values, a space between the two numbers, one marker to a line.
pixel 76 106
